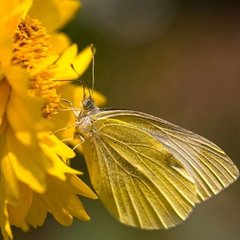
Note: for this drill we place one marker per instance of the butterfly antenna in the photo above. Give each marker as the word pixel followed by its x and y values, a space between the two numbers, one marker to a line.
pixel 93 49
pixel 84 86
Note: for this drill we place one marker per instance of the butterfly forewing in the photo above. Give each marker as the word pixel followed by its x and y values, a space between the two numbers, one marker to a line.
pixel 136 177
pixel 210 167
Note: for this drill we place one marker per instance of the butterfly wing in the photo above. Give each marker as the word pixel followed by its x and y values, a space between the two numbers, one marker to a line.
pixel 210 167
pixel 136 177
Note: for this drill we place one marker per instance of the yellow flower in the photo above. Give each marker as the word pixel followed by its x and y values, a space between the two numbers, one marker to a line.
pixel 34 57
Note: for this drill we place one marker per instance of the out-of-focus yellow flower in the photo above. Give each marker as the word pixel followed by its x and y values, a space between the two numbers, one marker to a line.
pixel 34 57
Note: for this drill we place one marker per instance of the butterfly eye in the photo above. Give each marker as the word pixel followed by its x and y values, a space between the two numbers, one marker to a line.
pixel 88 103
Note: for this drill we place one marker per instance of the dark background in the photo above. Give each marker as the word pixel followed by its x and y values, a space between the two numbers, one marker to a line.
pixel 178 60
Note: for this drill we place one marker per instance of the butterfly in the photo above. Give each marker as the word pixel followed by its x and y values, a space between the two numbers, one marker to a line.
pixel 147 172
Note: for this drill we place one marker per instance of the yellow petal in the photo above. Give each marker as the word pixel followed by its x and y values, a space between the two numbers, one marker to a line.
pixel 22 128
pixel 65 71
pixel 55 13
pixel 4 220
pixel 70 57
pixel 4 93
pixel 10 180
pixel 57 146
pixel 83 60
pixel 80 187
pixel 17 79
pixel 3 125
pixel 50 60
pixel 58 167
pixel 15 11
pixel 59 42
pixel 18 213
pixel 10 188
pixel 37 212
pixel 63 203
pixel 29 119
pixel 29 164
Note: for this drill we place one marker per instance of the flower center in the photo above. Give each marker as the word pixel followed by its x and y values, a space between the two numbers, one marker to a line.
pixel 45 87
pixel 31 43
pixel 31 46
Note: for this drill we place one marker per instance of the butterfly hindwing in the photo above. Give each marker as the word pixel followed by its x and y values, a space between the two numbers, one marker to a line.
pixel 136 177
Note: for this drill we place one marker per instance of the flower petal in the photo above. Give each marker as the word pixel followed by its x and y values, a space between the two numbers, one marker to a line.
pixel 4 93
pixel 17 78
pixel 80 187
pixel 29 164
pixel 18 213
pixel 63 203
pixel 37 212
pixel 59 42
pixel 35 176
pixel 69 58
pixel 29 118
pixel 65 71
pixel 57 146
pixel 4 220
pixel 58 168
pixel 10 187
pixel 45 63
pixel 83 60
pixel 55 13
pixel 15 11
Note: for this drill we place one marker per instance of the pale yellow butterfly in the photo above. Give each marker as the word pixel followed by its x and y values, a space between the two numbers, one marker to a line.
pixel 147 172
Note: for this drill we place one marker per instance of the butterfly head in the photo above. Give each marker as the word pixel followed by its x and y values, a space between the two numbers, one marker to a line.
pixel 88 104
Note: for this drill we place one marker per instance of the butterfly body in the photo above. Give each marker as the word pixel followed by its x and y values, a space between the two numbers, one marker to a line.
pixel 149 173
pixel 84 119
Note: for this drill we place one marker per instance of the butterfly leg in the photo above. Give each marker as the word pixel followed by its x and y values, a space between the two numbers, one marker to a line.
pixel 67 139
pixel 62 129
pixel 72 108
pixel 82 140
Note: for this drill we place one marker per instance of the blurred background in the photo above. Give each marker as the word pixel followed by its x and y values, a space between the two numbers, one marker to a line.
pixel 176 59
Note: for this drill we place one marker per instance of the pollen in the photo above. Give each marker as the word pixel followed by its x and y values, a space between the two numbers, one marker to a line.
pixel 31 43
pixel 31 46
pixel 44 86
